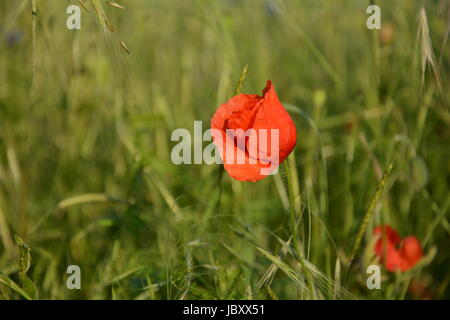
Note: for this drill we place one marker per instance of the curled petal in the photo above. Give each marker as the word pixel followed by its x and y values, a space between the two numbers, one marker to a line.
pixel 257 134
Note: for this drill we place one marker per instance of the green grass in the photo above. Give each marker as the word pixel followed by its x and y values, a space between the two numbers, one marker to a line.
pixel 85 170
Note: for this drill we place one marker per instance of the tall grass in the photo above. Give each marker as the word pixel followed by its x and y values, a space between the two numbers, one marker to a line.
pixel 85 170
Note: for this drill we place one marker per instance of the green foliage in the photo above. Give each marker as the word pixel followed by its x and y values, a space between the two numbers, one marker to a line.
pixel 85 171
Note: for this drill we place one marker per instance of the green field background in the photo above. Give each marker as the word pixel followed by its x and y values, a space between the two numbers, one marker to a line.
pixel 86 176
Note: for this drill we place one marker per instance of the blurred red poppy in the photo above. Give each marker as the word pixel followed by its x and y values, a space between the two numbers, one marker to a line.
pixel 256 128
pixel 420 289
pixel 394 252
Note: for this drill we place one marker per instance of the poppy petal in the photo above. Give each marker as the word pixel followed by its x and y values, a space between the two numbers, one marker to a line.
pixel 252 118
pixel 410 252
pixel 403 258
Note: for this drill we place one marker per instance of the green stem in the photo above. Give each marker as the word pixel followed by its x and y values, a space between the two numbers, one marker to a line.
pixel 237 91
pixel 293 189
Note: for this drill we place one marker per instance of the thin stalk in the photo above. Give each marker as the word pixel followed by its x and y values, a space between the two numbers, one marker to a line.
pixel 293 188
pixel 237 91
pixel 33 37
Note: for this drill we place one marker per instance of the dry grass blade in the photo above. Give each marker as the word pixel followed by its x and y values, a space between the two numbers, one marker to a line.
pixel 101 16
pixel 285 268
pixel 268 276
pixel 115 5
pixel 83 5
pixel 427 53
pixel 124 47
pixel 84 198
pixel 337 278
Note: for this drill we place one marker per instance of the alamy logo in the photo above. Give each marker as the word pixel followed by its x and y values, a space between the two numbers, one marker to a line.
pixel 74 280
pixel 73 22
pixel 374 20
pixel 232 147
pixel 374 280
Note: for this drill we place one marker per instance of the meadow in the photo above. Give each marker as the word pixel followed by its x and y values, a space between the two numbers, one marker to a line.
pixel 86 176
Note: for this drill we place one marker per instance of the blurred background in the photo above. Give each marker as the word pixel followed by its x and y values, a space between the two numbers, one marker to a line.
pixel 85 171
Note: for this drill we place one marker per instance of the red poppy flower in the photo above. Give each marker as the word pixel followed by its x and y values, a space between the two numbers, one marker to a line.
pixel 254 134
pixel 394 252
